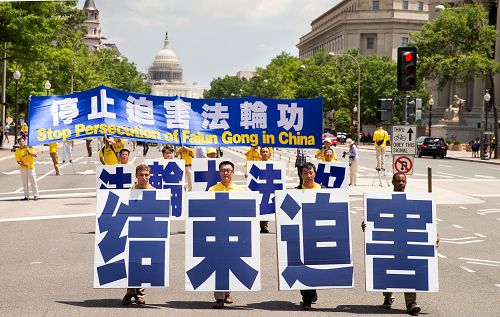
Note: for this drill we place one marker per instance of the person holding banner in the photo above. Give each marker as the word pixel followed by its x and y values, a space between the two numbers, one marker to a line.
pixel 107 155
pixel 226 173
pixel 167 152
pixel 25 158
pixel 67 151
pixel 399 183
pixel 54 157
pixel 328 155
pixel 142 174
pixel 124 156
pixel 307 174
pixel 380 137
pixel 320 154
pixel 212 152
pixel 265 155
pixel 187 154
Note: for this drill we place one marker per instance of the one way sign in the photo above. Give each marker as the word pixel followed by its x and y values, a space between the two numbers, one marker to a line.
pixel 404 139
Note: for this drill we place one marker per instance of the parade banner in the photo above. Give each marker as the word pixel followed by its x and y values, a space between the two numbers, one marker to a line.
pixel 205 173
pixel 120 176
pixel 265 178
pixel 314 239
pixel 169 174
pixel 400 237
pixel 331 174
pixel 175 120
pixel 132 238
pixel 222 242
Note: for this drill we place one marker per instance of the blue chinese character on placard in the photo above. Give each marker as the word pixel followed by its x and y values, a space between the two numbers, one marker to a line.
pixel 119 179
pixel 146 235
pixel 168 176
pixel 210 176
pixel 268 175
pixel 325 242
pixel 335 173
pixel 399 231
pixel 222 242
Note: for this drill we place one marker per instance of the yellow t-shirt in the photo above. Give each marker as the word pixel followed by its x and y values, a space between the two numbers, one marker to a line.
pixel 322 157
pixel 149 187
pixel 108 155
pixel 23 156
pixel 380 135
pixel 119 145
pixel 187 155
pixel 53 147
pixel 316 186
pixel 253 155
pixel 24 128
pixel 219 187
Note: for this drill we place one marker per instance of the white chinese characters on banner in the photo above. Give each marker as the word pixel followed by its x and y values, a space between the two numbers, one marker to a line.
pixel 253 115
pixel 177 114
pixel 400 238
pixel 291 116
pixel 140 111
pixel 103 112
pixel 313 239
pixel 132 238
pixel 215 116
pixel 64 110
pixel 222 242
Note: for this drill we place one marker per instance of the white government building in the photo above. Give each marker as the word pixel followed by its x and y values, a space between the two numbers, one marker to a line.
pixel 165 76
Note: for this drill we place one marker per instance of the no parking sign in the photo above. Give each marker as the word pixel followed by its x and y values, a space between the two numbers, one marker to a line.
pixel 403 164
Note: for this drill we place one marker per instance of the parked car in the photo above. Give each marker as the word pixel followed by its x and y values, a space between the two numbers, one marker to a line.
pixel 420 140
pixel 432 147
pixel 341 137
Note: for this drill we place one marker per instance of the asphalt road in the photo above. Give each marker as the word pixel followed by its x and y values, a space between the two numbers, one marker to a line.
pixel 48 249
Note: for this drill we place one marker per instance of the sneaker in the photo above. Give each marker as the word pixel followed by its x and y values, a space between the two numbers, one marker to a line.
pixel 64 162
pixel 264 230
pixel 306 306
pixel 127 300
pixel 388 302
pixel 139 300
pixel 378 169
pixel 36 198
pixel 70 161
pixel 228 299
pixel 315 299
pixel 219 304
pixel 25 198
pixel 413 307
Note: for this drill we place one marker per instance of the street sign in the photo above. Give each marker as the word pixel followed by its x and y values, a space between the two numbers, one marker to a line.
pixel 404 139
pixel 403 164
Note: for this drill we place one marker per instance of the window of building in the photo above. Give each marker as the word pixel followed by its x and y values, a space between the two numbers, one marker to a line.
pixel 376 5
pixel 370 43
pixel 404 41
pixel 405 4
pixel 420 6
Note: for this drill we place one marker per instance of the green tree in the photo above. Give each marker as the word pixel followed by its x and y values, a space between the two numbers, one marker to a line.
pixel 458 46
pixel 342 119
pixel 226 87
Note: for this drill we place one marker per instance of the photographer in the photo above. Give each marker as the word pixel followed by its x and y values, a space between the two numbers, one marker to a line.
pixel 353 161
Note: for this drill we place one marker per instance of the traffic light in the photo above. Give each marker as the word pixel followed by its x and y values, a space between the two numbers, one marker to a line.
pixel 407 68
pixel 384 110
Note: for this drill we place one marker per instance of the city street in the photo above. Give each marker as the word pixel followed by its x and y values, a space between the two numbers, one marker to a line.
pixel 48 245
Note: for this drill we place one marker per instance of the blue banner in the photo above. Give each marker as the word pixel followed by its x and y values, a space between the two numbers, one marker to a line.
pixel 174 120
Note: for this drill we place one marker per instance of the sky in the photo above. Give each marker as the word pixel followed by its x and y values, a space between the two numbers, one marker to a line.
pixel 212 38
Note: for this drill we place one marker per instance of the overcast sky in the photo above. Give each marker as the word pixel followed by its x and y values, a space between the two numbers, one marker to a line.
pixel 210 37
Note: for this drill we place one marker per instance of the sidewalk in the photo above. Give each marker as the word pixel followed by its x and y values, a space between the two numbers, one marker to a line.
pixel 451 155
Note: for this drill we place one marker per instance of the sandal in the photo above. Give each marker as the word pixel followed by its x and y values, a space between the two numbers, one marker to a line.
pixel 127 300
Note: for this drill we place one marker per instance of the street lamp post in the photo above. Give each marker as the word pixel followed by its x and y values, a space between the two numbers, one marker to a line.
pixel 486 98
pixel 17 76
pixel 358 130
pixel 47 86
pixel 431 103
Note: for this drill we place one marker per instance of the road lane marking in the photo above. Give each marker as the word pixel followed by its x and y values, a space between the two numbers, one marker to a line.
pixel 439 220
pixel 480 235
pixel 35 263
pixel 498 285
pixel 455 241
pixel 481 263
pixel 457 226
pixel 486 196
pixel 54 190
pixel 479 260
pixel 76 195
pixel 467 269
pixel 14 172
pixel 440 255
pixel 47 217
pixel 462 207
pixel 484 176
pixel 455 175
pixel 483 212
pixel 442 165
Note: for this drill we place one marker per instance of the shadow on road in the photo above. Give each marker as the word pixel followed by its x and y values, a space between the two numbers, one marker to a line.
pixel 104 303
pixel 198 305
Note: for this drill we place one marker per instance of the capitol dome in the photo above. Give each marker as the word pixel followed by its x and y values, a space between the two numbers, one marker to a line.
pixel 166 67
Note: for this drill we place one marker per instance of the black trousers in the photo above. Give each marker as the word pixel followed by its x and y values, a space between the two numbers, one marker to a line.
pixel 145 148
pixel 89 148
pixel 308 295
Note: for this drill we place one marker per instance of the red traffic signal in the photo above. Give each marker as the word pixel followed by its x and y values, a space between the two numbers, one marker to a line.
pixel 407 68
